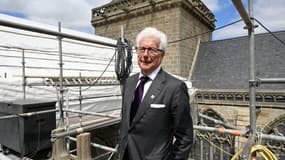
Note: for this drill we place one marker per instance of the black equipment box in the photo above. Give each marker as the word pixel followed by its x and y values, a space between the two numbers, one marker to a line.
pixel 26 134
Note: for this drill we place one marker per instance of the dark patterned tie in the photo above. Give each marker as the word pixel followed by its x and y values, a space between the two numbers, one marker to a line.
pixel 138 97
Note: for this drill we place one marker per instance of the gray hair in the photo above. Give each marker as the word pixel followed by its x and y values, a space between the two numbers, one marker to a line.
pixel 153 32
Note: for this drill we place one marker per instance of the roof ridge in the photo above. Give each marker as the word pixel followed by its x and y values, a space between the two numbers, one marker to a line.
pixel 241 37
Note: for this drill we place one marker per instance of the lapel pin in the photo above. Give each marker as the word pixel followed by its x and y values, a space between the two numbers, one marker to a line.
pixel 152 96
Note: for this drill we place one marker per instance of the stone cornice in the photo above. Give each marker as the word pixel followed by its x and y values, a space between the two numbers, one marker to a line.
pixel 264 98
pixel 120 9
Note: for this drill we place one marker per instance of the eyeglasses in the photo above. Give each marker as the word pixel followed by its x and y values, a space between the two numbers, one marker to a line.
pixel 150 50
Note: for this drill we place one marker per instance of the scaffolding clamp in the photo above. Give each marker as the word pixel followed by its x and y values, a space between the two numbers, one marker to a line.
pixel 254 83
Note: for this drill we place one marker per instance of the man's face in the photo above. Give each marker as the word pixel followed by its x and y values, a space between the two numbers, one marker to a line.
pixel 149 56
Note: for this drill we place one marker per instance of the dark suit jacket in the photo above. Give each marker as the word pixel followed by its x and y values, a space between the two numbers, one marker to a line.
pixel 163 114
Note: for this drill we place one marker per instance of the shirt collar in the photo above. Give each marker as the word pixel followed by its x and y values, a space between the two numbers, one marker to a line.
pixel 153 74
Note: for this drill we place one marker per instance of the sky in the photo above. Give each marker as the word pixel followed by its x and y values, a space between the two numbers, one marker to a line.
pixel 76 14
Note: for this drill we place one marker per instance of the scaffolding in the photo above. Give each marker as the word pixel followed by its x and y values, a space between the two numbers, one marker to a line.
pixel 88 120
pixel 66 130
pixel 248 19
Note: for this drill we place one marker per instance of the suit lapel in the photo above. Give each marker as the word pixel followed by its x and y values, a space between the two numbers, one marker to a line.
pixel 152 93
pixel 130 92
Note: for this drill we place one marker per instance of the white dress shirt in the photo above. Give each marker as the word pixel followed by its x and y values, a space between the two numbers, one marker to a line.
pixel 151 76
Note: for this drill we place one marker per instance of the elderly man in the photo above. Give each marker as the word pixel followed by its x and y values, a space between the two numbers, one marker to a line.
pixel 156 122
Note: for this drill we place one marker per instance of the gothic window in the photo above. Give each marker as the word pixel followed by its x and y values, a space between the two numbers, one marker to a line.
pixel 210 145
pixel 276 128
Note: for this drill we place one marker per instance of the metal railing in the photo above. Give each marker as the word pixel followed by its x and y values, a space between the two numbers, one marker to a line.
pixel 61 82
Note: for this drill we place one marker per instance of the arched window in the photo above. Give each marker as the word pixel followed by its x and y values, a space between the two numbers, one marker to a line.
pixel 199 96
pixel 268 98
pixel 210 145
pixel 221 97
pixel 230 97
pixel 259 98
pixel 239 97
pixel 206 96
pixel 213 96
pixel 280 98
pixel 276 128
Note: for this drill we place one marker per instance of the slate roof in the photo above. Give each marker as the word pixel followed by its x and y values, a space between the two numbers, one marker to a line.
pixel 224 64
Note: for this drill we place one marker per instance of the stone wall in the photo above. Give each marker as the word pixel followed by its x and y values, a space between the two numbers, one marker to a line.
pixel 233 107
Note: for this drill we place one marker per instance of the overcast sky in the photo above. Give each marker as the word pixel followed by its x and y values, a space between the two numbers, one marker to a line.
pixel 76 14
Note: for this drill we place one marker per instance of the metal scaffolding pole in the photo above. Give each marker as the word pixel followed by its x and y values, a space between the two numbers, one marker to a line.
pixel 242 12
pixel 271 80
pixel 272 137
pixel 87 128
pixel 218 121
pixel 80 102
pixel 252 77
pixel 220 130
pixel 90 113
pixel 96 145
pixel 61 91
pixel 28 114
pixel 24 82
pixel 252 86
pixel 235 132
pixel 9 23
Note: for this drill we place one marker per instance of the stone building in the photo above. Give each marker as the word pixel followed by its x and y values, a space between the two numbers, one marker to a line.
pixel 219 70
pixel 221 76
pixel 179 19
